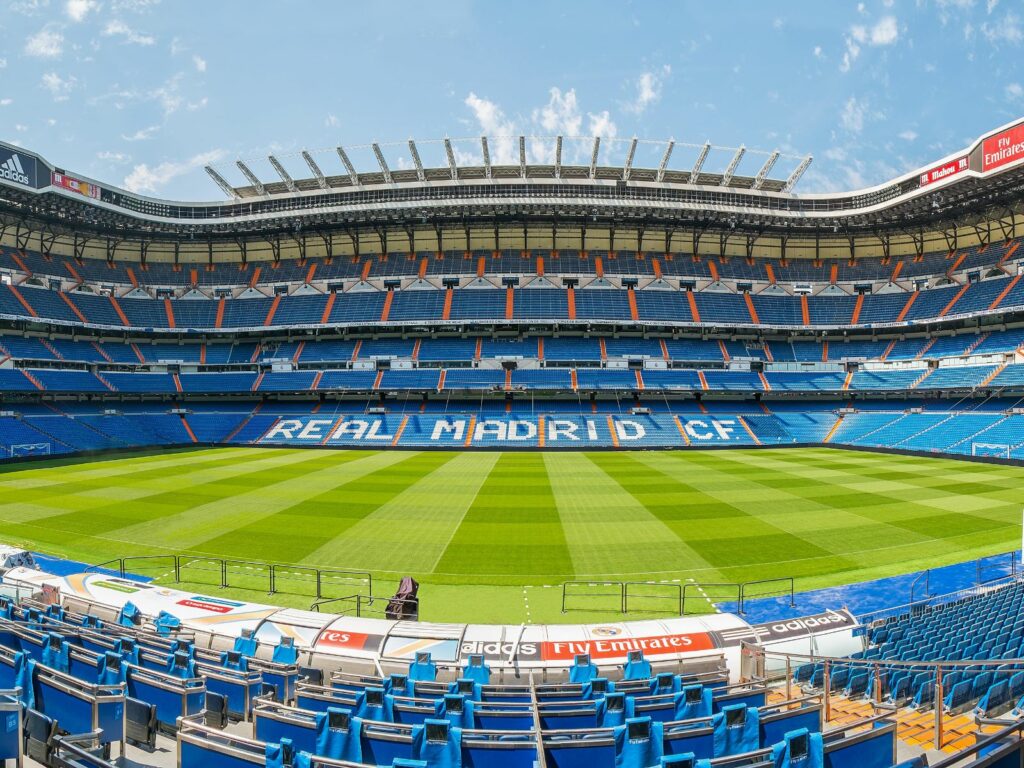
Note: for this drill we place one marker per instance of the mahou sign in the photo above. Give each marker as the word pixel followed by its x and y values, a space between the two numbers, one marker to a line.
pixel 1003 148
pixel 944 171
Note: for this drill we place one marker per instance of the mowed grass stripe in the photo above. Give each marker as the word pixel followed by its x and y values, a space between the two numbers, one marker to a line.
pixel 79 507
pixel 310 516
pixel 895 533
pixel 189 517
pixel 59 481
pixel 609 532
pixel 408 533
pixel 330 514
pixel 749 539
pixel 513 528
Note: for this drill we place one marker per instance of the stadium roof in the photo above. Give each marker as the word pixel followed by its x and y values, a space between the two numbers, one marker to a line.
pixel 979 189
pixel 526 158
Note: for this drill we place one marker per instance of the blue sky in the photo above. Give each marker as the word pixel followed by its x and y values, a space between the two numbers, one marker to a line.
pixel 143 93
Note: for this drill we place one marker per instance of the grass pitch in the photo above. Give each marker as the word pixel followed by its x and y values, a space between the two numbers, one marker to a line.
pixel 491 536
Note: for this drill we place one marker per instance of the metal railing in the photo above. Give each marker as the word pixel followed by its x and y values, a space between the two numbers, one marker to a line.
pixel 755 664
pixel 227 573
pixel 642 597
pixel 360 605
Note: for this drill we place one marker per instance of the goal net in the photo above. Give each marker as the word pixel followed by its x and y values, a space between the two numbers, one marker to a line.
pixel 997 450
pixel 30 449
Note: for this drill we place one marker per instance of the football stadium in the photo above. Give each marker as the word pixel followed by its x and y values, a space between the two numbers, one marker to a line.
pixel 525 451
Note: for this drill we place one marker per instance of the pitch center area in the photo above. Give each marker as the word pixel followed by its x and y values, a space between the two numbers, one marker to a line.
pixel 492 536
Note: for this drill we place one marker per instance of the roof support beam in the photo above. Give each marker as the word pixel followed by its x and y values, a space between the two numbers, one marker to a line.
pixel 558 157
pixel 522 156
pixel 220 181
pixel 251 177
pixel 283 174
pixel 451 159
pixel 664 159
pixel 733 164
pixel 315 169
pixel 416 161
pixel 628 167
pixel 794 177
pixel 695 173
pixel 352 175
pixel 381 162
pixel 593 156
pixel 487 156
pixel 766 169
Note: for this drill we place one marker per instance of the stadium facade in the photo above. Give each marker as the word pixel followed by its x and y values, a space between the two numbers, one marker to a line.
pixel 523 305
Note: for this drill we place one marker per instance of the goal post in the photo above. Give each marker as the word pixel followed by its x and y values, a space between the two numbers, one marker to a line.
pixel 996 450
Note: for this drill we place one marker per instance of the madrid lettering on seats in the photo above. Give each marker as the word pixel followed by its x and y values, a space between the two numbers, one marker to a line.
pixel 660 430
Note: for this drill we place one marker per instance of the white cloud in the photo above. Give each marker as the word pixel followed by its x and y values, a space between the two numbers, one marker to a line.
pixel 142 178
pixel 6 102
pixel 498 128
pixel 560 116
pixel 28 7
pixel 142 134
pixel 3 63
pixel 58 87
pixel 818 54
pixel 47 43
pixel 135 6
pixel 852 116
pixel 648 89
pixel 199 62
pixel 77 10
pixel 991 5
pixel 332 121
pixel 113 157
pixel 908 135
pixel 884 32
pixel 1006 30
pixel 1014 91
pixel 117 28
pixel 602 125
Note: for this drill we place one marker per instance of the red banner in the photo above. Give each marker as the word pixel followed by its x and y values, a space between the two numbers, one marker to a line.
pixel 72 184
pixel 619 647
pixel 1003 148
pixel 204 605
pixel 340 639
pixel 944 171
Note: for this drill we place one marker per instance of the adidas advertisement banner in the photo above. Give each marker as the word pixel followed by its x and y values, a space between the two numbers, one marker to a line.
pixel 18 168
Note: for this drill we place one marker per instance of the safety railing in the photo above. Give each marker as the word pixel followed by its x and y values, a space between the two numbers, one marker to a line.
pixel 361 605
pixel 611 593
pixel 929 601
pixel 773 666
pixel 251 575
pixel 663 597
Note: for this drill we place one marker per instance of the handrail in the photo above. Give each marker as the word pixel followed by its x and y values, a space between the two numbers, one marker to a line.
pixel 271 569
pixel 947 597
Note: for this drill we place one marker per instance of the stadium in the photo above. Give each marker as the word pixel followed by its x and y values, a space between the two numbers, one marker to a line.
pixel 398 456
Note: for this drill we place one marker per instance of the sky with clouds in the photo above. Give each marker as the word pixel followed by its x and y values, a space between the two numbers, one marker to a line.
pixel 144 93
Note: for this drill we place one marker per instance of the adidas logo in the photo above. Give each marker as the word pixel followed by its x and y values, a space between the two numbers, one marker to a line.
pixel 12 171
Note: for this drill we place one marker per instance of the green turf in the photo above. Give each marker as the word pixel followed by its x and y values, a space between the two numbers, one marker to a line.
pixel 491 536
